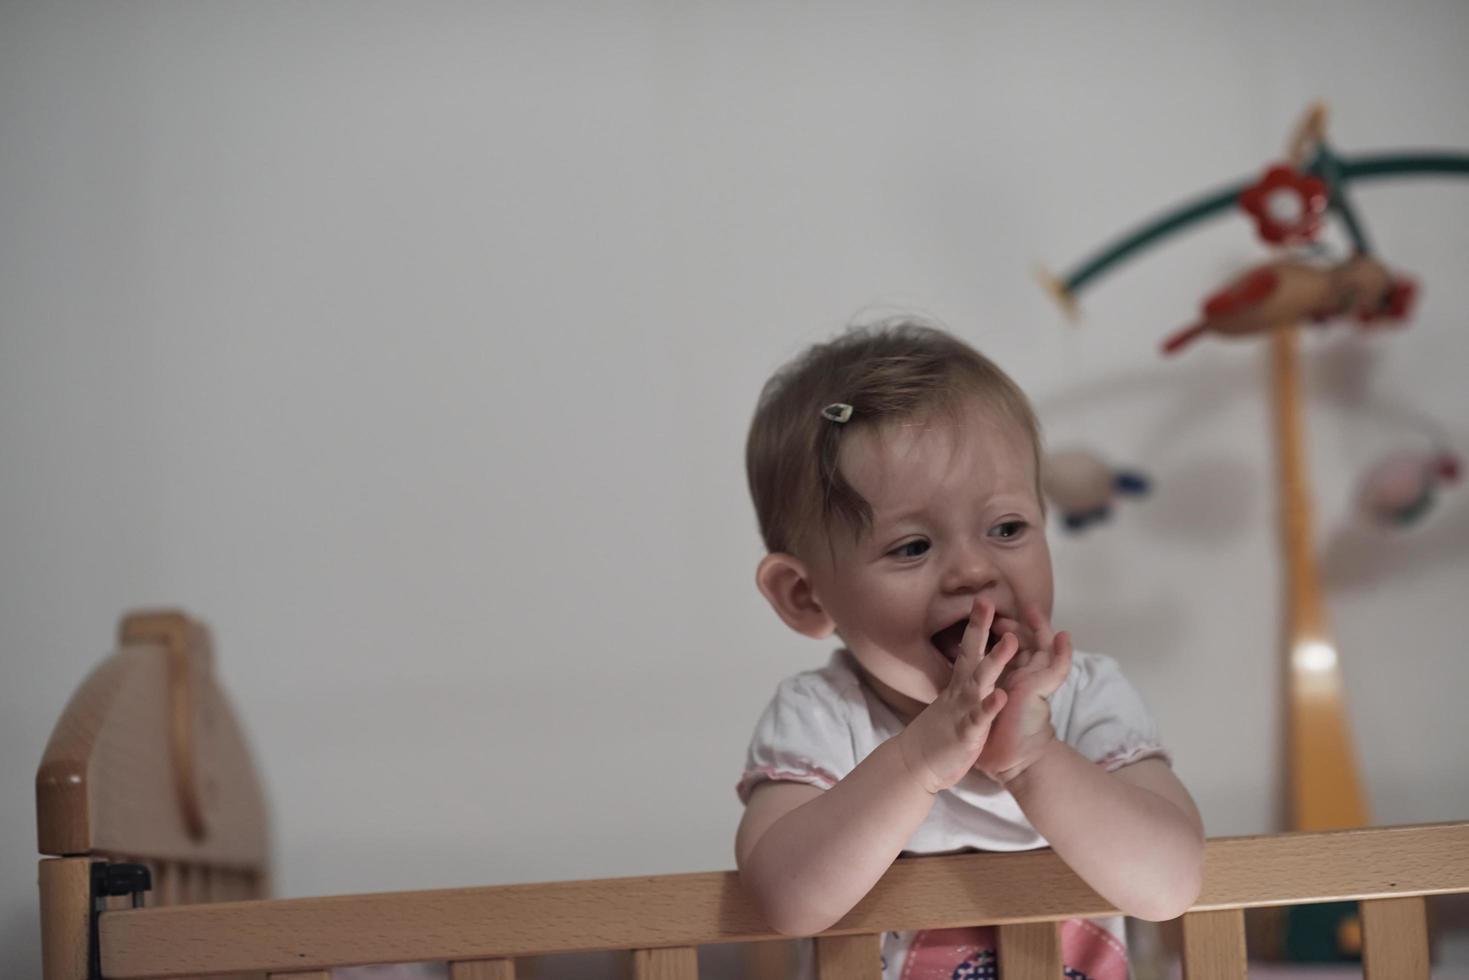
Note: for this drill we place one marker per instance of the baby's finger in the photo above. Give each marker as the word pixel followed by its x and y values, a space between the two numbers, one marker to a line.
pixel 981 620
pixel 983 714
pixel 1061 662
pixel 1004 624
pixel 1040 626
pixel 995 661
pixel 970 651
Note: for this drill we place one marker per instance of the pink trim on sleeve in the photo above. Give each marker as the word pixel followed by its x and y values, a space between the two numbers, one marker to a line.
pixel 814 776
pixel 1126 755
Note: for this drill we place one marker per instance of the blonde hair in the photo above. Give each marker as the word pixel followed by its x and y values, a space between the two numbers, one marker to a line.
pixel 887 372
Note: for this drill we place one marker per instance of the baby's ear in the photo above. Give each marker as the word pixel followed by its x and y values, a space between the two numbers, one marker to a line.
pixel 785 583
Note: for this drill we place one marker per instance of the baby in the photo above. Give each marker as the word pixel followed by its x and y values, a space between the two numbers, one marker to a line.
pixel 896 477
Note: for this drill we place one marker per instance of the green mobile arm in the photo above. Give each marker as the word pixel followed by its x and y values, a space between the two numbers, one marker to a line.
pixel 1336 171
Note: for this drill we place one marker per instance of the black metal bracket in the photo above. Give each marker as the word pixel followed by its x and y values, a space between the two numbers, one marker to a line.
pixel 108 880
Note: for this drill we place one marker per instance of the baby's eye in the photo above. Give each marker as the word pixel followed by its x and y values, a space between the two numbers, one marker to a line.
pixel 910 549
pixel 1009 529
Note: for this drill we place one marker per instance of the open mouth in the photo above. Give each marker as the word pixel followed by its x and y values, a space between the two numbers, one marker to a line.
pixel 947 640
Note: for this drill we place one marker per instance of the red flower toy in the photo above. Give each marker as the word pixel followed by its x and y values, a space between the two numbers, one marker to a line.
pixel 1286 204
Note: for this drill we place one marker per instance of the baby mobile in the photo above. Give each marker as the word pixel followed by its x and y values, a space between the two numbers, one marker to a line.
pixel 1301 285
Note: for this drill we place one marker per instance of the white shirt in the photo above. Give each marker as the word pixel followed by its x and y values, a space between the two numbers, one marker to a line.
pixel 822 723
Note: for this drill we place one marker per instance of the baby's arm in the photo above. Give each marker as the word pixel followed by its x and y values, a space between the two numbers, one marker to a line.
pixel 1133 834
pixel 808 855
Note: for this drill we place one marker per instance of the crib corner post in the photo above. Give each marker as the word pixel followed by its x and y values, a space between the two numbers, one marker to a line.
pixel 66 918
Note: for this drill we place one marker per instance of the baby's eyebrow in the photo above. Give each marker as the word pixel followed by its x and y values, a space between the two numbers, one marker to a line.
pixel 898 516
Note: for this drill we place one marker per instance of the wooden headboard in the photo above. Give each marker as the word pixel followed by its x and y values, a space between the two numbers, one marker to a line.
pixel 147 764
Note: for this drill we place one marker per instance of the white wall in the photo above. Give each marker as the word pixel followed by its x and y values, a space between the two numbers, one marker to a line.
pixel 413 347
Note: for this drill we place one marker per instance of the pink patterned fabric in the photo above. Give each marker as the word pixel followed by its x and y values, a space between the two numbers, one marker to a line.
pixel 1088 952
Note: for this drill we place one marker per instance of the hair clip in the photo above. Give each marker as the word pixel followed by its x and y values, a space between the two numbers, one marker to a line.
pixel 837 412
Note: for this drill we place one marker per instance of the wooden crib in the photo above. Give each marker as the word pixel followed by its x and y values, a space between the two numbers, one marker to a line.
pixel 148 767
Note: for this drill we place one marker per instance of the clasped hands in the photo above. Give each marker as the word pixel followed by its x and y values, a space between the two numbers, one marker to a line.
pixel 994 715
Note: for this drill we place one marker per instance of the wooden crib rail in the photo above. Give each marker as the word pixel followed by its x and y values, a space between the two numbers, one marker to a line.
pixel 664 918
pixel 148 764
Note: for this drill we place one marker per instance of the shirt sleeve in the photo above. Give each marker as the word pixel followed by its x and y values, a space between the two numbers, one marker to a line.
pixel 802 737
pixel 1109 723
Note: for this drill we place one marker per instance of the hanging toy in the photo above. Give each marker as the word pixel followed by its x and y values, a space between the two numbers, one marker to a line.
pixel 1399 489
pixel 1287 205
pixel 1288 292
pixel 1286 208
pixel 1081 486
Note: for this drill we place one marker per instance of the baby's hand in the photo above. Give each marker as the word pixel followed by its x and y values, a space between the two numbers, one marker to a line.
pixel 943 742
pixel 1024 728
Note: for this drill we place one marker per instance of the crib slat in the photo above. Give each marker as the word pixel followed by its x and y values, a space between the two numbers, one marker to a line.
pixel 674 963
pixel 171 885
pixel 165 884
pixel 183 883
pixel 194 884
pixel 1030 951
pixel 1214 945
pixel 769 961
pixel 229 886
pixel 849 957
pixel 247 887
pixel 482 970
pixel 1395 939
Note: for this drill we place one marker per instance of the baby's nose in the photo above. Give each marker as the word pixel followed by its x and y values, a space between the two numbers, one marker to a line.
pixel 970 571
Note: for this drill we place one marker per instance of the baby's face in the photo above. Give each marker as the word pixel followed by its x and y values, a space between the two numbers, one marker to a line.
pixel 955 517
